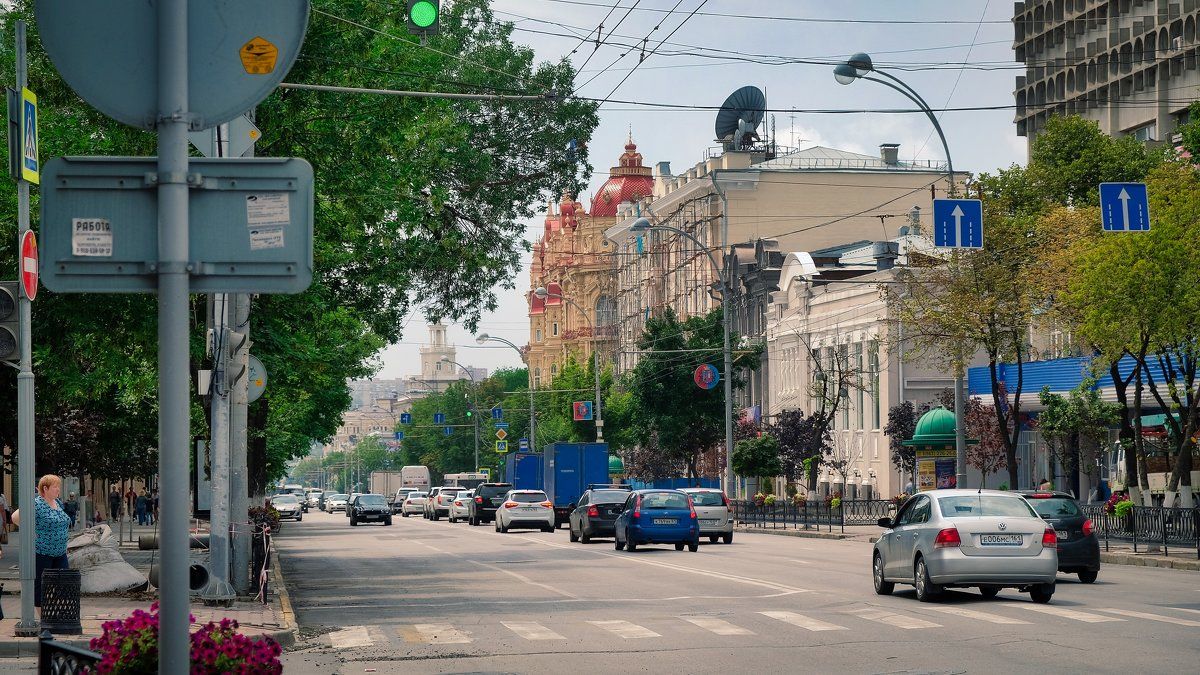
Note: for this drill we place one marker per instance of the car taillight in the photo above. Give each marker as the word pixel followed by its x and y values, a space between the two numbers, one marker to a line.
pixel 593 512
pixel 479 500
pixel 548 504
pixel 1087 528
pixel 1041 495
pixel 1049 538
pixel 692 507
pixel 725 499
pixel 510 505
pixel 947 538
pixel 458 502
pixel 637 508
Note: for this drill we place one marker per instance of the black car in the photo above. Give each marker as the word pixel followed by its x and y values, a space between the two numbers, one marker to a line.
pixel 370 508
pixel 488 498
pixel 1078 547
pixel 595 514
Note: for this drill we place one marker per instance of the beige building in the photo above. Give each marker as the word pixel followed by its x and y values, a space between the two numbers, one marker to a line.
pixel 803 200
pixel 573 259
pixel 1129 65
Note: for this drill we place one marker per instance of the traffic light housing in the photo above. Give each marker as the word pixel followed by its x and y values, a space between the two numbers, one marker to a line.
pixel 424 16
pixel 10 321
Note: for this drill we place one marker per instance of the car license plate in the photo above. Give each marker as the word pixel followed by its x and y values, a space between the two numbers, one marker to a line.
pixel 529 508
pixel 710 522
pixel 1062 534
pixel 1000 539
pixel 666 521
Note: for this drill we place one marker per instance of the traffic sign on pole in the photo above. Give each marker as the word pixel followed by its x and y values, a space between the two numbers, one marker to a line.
pixel 523 444
pixel 582 410
pixel 29 264
pixel 30 164
pixel 399 435
pixel 501 434
pixel 1124 207
pixel 958 223
pixel 405 418
pixel 501 446
pixel 497 413
pixel 439 418
pixel 448 430
pixel 501 425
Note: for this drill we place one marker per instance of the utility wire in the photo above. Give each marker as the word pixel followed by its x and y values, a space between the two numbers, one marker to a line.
pixel 660 43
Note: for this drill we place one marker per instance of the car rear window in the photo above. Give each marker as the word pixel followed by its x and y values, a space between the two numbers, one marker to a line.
pixel 1055 507
pixel 337 496
pixel 529 497
pixel 664 500
pixel 707 498
pixel 609 496
pixel 286 499
pixel 415 495
pixel 372 500
pixel 449 492
pixel 975 506
pixel 492 490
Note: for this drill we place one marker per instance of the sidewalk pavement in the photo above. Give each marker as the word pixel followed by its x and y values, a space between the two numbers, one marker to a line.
pixel 1118 553
pixel 274 619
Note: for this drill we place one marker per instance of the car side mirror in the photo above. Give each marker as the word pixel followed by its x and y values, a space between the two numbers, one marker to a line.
pixel 885 523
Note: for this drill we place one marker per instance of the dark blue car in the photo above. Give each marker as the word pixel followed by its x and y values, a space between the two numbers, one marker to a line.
pixel 658 517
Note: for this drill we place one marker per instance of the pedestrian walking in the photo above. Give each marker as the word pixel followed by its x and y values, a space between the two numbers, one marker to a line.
pixel 114 504
pixel 153 506
pixel 130 501
pixel 141 504
pixel 4 517
pixel 50 531
pixel 1045 484
pixel 71 507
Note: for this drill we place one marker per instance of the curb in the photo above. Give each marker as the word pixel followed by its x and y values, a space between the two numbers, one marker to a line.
pixel 804 534
pixel 287 636
pixel 1144 560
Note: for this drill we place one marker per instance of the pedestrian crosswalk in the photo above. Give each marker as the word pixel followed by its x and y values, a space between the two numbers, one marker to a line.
pixel 747 625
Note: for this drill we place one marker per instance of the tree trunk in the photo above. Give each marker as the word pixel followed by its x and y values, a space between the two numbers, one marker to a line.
pixel 1010 441
pixel 1072 465
pixel 256 448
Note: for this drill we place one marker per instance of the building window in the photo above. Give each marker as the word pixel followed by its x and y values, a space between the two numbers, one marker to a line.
pixel 860 407
pixel 554 329
pixel 1148 132
pixel 842 362
pixel 438 366
pixel 873 364
pixel 537 378
pixel 553 370
pixel 606 311
pixel 537 335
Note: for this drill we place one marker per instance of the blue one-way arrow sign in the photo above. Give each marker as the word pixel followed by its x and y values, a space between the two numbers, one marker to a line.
pixel 958 223
pixel 405 418
pixel 1124 207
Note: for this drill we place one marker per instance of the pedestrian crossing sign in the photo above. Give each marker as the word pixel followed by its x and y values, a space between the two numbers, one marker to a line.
pixel 30 166
pixel 501 446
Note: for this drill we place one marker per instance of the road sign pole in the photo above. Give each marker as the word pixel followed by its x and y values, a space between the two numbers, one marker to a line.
pixel 239 499
pixel 172 123
pixel 28 625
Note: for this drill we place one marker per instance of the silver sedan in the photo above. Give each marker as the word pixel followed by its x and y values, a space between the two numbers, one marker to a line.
pixel 963 538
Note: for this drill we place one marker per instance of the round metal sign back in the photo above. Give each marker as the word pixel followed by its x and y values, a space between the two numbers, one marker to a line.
pixel 238 52
pixel 258 380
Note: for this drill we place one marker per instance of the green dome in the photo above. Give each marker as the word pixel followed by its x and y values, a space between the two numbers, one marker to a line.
pixel 615 465
pixel 935 427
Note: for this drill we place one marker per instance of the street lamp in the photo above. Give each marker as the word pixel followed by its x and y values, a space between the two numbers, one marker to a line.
pixel 474 404
pixel 542 293
pixel 483 338
pixel 856 68
pixel 644 225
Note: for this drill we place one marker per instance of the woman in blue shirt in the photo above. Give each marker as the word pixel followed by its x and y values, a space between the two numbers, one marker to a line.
pixel 51 525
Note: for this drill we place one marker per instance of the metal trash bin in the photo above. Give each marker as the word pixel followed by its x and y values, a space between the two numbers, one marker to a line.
pixel 60 601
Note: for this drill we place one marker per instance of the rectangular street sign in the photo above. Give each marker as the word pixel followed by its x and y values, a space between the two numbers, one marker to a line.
pixel 582 411
pixel 958 223
pixel 399 435
pixel 501 446
pixel 448 430
pixel 30 165
pixel 524 443
pixel 497 413
pixel 405 418
pixel 1124 207
pixel 501 425
pixel 252 225
pixel 439 418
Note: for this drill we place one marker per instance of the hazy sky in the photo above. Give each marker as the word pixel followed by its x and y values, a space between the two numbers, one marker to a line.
pixel 923 42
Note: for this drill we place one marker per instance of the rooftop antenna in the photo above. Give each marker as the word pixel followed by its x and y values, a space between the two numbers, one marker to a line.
pixel 739 117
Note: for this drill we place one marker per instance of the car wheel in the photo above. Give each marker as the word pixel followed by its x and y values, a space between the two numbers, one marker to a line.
pixel 473 521
pixel 503 528
pixel 353 521
pixel 882 586
pixel 630 546
pixel 712 538
pixel 1041 593
pixel 585 538
pixel 927 591
pixel 618 544
pixel 989 591
pixel 497 525
pixel 679 547
pixel 571 535
pixel 1088 576
pixel 387 523
pixel 435 517
pixel 728 537
pixel 404 514
pixel 299 518
pixel 549 528
pixel 694 546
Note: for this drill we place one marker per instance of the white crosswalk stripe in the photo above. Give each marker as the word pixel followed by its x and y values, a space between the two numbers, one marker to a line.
pixel 718 626
pixel 531 630
pixel 350 637
pixel 981 616
pixel 1070 614
pixel 1151 617
pixel 625 629
pixel 893 619
pixel 805 622
pixel 441 634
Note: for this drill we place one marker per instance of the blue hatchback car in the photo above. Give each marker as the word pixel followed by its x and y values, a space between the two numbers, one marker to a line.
pixel 658 517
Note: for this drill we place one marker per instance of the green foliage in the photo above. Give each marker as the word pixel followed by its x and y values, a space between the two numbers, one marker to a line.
pixel 1123 508
pixel 758 457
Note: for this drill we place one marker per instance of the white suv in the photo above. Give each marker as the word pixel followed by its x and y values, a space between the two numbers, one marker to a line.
pixel 442 502
pixel 413 503
pixel 714 512
pixel 460 508
pixel 525 508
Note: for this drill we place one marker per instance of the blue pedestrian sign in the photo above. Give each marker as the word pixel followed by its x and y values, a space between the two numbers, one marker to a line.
pixel 497 413
pixel 439 418
pixel 448 430
pixel 399 435
pixel 958 223
pixel 30 165
pixel 524 443
pixel 405 418
pixel 1124 207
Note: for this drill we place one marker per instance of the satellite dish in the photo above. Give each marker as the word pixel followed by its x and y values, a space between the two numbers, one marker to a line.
pixel 739 117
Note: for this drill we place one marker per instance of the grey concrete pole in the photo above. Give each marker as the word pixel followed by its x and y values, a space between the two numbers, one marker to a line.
pixel 239 494
pixel 219 440
pixel 26 481
pixel 960 428
pixel 173 389
pixel 729 485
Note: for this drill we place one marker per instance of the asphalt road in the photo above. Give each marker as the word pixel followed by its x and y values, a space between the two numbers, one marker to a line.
pixel 426 597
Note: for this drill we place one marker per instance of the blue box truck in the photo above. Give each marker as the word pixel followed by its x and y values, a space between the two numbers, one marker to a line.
pixel 568 469
pixel 523 470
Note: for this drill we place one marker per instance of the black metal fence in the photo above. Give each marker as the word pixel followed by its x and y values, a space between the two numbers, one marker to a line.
pixel 60 658
pixel 1148 527
pixel 786 514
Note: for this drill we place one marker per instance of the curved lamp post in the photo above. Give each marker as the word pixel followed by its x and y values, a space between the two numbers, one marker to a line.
pixel 542 293
pixel 484 338
pixel 474 404
pixel 644 225
pixel 857 67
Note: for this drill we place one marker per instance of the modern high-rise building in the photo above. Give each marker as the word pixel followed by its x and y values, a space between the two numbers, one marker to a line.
pixel 1129 65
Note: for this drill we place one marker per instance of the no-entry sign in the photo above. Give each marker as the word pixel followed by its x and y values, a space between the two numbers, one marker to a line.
pixel 29 264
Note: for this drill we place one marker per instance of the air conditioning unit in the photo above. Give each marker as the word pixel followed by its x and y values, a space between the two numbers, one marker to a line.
pixel 1176 44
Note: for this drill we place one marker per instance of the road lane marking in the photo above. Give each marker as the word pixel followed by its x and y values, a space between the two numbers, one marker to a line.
pixel 1185 609
pixel 981 616
pixel 531 630
pixel 525 579
pixel 805 622
pixel 625 629
pixel 718 626
pixel 1070 614
pixel 893 619
pixel 802 562
pixel 351 637
pixel 441 634
pixel 1151 617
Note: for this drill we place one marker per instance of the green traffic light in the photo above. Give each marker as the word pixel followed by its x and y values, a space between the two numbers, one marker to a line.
pixel 424 14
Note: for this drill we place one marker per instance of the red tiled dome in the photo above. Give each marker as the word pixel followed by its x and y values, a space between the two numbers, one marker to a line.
pixel 629 181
